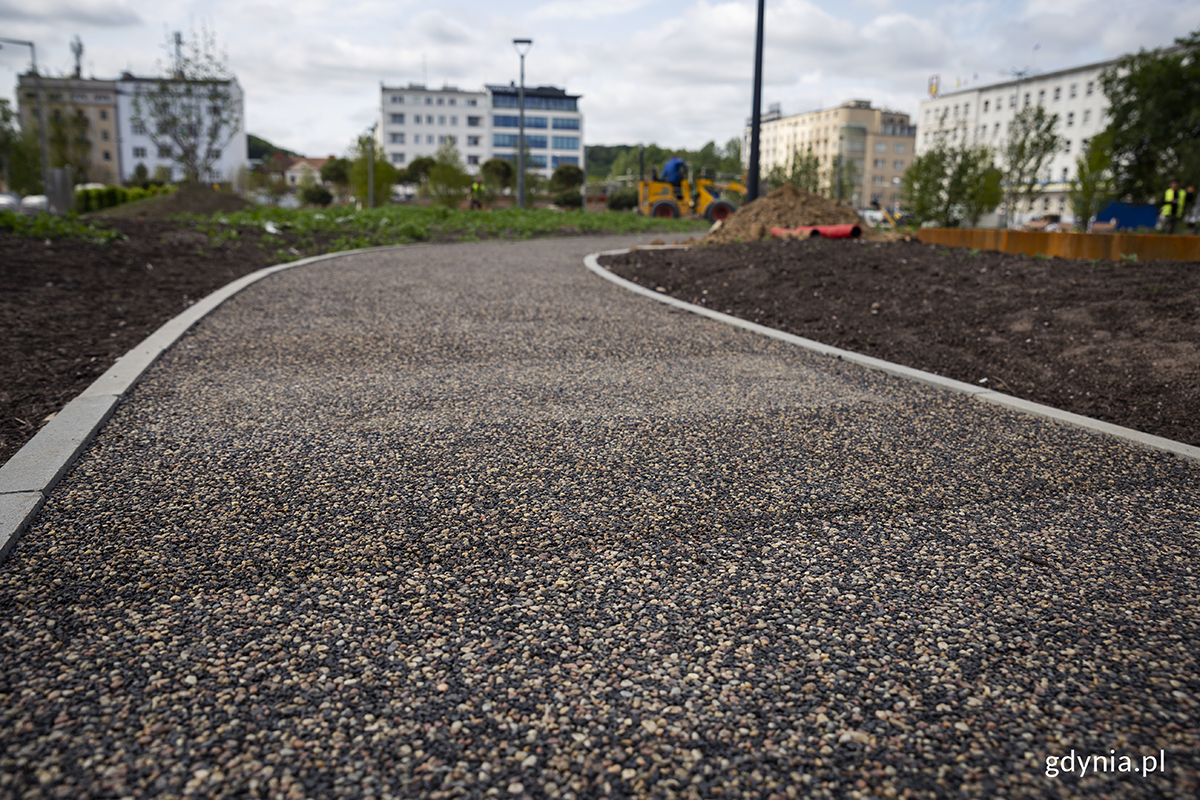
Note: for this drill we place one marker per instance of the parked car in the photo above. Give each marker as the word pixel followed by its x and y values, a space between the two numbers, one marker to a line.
pixel 35 204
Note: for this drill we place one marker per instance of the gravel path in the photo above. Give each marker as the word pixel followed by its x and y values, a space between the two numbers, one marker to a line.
pixel 468 521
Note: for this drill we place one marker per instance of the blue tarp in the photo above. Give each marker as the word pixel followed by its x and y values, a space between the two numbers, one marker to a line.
pixel 1129 217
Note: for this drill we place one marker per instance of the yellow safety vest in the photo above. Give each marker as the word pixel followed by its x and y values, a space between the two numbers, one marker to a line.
pixel 1173 202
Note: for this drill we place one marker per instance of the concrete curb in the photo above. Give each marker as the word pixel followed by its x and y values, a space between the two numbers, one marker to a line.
pixel 27 478
pixel 920 376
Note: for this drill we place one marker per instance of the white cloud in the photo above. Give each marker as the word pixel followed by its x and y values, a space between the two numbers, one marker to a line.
pixel 99 13
pixel 587 9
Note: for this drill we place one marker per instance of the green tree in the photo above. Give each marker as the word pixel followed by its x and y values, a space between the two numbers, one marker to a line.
pixel 192 113
pixel 923 187
pixel 1032 142
pixel 498 174
pixel 385 173
pixel 448 181
pixel 336 171
pixel 973 184
pixel 565 178
pixel 1154 127
pixel 803 170
pixel 1093 183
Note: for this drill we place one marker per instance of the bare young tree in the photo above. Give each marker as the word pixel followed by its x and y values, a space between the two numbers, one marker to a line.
pixel 195 112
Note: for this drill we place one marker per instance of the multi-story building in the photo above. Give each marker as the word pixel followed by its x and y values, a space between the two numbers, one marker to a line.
pixel 876 145
pixel 81 117
pixel 415 121
pixel 137 146
pixel 984 115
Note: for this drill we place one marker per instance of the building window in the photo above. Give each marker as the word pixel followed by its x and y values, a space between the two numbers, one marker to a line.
pixel 397 98
pixel 398 119
pixel 1074 90
pixel 563 142
pixel 471 101
pixel 453 101
pixel 429 119
pixel 538 142
pixel 1089 88
pixel 474 122
pixel 441 101
pixel 102 98
pixel 104 136
pixel 441 119
pixel 966 109
pixel 107 156
pixel 472 141
pixel 877 180
pixel 1064 175
pixel 899 148
pixel 453 120
pixel 565 124
pixel 880 163
pixel 1041 96
pixel 1027 96
pixel 429 139
pixel 1070 118
pixel 1046 204
pixel 555 161
pixel 881 147
pixel 397 158
pixel 536 160
pixel 504 140
pixel 996 130
pixel 139 128
pixel 416 119
pixel 897 165
pixel 985 105
pixel 103 114
pixel 1057 92
pixel 472 160
pixel 1066 145
pixel 1087 116
pixel 505 121
pixel 139 152
pixel 164 152
pixel 956 109
pixel 428 101
pixel 397 138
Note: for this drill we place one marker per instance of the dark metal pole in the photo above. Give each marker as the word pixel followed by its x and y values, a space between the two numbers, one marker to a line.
pixel 756 111
pixel 521 138
pixel 522 46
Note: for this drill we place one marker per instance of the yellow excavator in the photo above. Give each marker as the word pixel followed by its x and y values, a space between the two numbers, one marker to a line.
pixel 703 198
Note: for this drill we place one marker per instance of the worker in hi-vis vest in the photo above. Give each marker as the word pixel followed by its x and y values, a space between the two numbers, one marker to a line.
pixel 1174 202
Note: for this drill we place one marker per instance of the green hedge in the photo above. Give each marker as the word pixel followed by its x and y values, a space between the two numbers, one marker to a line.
pixel 99 199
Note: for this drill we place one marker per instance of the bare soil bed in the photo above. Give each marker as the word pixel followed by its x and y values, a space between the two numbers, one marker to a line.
pixel 1111 340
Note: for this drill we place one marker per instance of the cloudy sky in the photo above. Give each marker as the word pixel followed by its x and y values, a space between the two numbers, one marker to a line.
pixel 675 73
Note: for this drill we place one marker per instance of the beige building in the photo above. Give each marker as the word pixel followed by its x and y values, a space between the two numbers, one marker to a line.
pixel 81 117
pixel 876 145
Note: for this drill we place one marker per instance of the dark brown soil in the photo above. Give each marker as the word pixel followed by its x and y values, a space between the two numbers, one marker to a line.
pixel 1115 341
pixel 69 309
pixel 185 200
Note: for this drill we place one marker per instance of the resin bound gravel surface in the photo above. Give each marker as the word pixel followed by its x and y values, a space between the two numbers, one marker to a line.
pixel 467 520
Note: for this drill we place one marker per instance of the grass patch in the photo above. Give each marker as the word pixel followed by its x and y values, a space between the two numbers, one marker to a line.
pixel 348 229
pixel 46 226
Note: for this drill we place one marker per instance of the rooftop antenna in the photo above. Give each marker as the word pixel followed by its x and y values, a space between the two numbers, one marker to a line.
pixel 178 54
pixel 424 71
pixel 77 51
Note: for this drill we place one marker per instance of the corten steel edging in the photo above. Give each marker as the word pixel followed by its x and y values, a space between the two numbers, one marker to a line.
pixel 27 478
pixel 1109 246
pixel 979 393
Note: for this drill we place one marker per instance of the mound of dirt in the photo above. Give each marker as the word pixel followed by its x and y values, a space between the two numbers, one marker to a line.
pixel 786 207
pixel 199 199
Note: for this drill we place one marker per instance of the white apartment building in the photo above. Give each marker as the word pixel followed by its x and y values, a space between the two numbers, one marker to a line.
pixel 984 115
pixel 876 146
pixel 136 146
pixel 415 121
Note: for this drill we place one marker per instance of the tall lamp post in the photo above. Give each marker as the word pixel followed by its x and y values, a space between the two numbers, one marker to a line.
pixel 41 110
pixel 522 46
pixel 756 111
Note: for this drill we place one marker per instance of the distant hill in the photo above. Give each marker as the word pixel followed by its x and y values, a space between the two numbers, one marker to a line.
pixel 261 148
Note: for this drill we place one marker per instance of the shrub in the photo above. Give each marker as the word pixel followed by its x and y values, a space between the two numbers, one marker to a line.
pixel 622 199
pixel 316 196
pixel 571 198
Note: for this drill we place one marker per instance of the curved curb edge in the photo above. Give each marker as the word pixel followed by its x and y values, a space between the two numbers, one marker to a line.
pixel 920 376
pixel 27 478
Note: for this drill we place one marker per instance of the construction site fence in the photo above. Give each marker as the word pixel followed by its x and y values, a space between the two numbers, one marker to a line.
pixel 1111 246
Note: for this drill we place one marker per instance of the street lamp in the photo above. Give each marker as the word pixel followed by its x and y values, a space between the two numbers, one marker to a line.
pixel 41 110
pixel 522 46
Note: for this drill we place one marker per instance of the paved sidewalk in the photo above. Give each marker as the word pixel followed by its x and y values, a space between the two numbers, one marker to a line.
pixel 467 520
